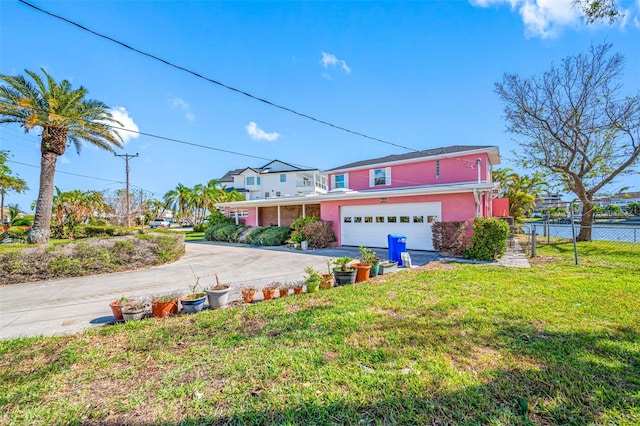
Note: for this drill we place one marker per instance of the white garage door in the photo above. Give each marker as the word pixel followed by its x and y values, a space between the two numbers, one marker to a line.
pixel 369 225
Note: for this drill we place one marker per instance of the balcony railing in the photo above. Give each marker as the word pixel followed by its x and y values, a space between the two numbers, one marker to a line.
pixel 311 184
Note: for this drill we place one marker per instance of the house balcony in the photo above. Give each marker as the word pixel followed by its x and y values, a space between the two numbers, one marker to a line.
pixel 307 186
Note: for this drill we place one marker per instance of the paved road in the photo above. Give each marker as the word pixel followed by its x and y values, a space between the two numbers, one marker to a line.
pixel 70 305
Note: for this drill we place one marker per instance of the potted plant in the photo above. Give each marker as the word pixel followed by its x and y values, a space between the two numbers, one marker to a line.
pixel 164 304
pixel 133 310
pixel 387 267
pixel 269 291
pixel 367 257
pixel 327 279
pixel 375 268
pixel 248 293
pixel 312 279
pixel 194 301
pixel 344 273
pixel 218 295
pixel 283 289
pixel 298 286
pixel 116 307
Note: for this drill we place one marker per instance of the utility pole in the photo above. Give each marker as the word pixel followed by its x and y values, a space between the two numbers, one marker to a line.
pixel 126 167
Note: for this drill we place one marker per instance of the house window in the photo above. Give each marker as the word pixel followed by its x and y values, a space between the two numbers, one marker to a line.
pixel 283 177
pixel 277 193
pixel 258 182
pixel 250 180
pixel 241 213
pixel 437 169
pixel 266 195
pixel 380 177
pixel 340 181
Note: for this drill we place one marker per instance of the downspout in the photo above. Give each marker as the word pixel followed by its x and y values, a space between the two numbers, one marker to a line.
pixel 477 199
pixel 478 164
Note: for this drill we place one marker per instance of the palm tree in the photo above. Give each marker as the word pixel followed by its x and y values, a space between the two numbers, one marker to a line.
pixel 65 116
pixel 521 191
pixel 179 200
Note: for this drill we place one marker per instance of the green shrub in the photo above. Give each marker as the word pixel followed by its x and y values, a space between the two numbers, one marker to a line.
pixel 297 227
pixel 269 236
pixel 200 227
pixel 97 222
pixel 489 240
pixel 449 237
pixel 18 233
pixel 90 231
pixel 227 232
pixel 217 217
pixel 22 221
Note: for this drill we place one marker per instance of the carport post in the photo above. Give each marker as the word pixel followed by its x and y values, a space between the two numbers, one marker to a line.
pixel 236 215
pixel 278 214
pixel 303 211
pixel 257 217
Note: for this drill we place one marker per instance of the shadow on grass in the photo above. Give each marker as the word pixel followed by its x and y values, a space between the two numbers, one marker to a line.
pixel 564 378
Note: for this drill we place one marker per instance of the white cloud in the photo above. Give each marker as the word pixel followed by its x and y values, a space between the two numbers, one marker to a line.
pixel 542 18
pixel 636 22
pixel 181 105
pixel 258 134
pixel 121 114
pixel 330 60
pixel 64 159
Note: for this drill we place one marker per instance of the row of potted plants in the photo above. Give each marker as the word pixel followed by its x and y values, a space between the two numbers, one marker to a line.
pixel 165 304
pixel 345 271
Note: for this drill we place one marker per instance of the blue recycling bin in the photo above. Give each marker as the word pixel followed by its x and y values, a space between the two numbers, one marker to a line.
pixel 397 245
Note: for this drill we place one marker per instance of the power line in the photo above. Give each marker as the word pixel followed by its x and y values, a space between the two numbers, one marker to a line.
pixel 210 80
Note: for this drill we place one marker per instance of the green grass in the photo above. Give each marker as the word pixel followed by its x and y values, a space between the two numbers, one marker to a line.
pixel 447 344
pixel 194 236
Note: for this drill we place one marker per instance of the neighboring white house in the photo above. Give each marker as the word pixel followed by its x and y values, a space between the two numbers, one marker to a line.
pixel 276 179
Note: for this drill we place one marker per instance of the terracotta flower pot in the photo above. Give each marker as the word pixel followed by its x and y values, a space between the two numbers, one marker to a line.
pixel 362 273
pixel 283 292
pixel 297 290
pixel 268 293
pixel 162 309
pixel 247 294
pixel 327 281
pixel 116 309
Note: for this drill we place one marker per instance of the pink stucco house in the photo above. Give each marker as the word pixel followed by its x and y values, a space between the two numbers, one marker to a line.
pixel 396 194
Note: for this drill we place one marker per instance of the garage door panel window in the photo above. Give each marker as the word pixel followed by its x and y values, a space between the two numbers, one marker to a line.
pixel 404 219
pixel 379 219
pixel 418 219
pixel 368 219
pixel 347 219
pixel 357 219
pixel 392 219
pixel 432 219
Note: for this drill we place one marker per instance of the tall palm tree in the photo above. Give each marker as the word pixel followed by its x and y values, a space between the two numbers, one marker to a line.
pixel 65 116
pixel 179 200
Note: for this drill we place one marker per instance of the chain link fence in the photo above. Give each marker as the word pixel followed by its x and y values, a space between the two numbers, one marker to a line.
pixel 543 233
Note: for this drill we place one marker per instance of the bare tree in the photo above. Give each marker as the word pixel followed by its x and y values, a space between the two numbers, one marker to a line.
pixel 574 123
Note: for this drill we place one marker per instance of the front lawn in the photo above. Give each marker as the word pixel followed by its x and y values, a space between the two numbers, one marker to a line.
pixel 444 344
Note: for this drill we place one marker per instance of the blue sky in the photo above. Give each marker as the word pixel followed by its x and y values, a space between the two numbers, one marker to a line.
pixel 418 74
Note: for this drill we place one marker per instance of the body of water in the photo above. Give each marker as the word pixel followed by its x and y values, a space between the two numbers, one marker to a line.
pixel 622 233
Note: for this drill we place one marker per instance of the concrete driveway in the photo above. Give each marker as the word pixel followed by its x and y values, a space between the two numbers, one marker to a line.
pixel 70 305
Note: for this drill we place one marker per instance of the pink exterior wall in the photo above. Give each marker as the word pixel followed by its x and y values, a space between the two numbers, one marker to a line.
pixel 454 207
pixel 501 207
pixel 452 170
pixel 249 220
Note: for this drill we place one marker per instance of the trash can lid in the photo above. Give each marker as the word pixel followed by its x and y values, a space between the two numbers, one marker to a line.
pixel 396 236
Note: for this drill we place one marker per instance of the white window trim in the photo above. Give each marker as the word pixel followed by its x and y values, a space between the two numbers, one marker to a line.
pixel 372 176
pixel 346 180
